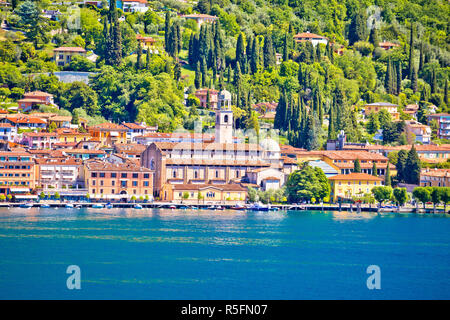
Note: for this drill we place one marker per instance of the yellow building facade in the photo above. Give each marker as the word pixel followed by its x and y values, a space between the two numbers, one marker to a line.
pixel 348 186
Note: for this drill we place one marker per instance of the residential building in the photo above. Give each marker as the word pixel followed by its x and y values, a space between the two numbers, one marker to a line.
pixel 443 122
pixel 71 135
pixel 109 133
pixel 17 172
pixel 386 45
pixel 266 178
pixel 117 181
pixel 378 106
pixel 66 122
pixel 201 18
pixel 417 132
pixel 133 5
pixel 435 178
pixel 39 140
pixel 349 186
pixel 85 154
pixel 202 95
pixel 205 194
pixel 129 150
pixel 35 98
pixel 7 132
pixel 311 37
pixel 137 129
pixel 59 173
pixel 63 55
pixel 146 42
pixel 23 121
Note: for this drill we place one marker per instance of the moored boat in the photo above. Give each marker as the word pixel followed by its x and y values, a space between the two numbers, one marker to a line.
pixel 69 205
pixel 259 207
pixel 98 206
pixel 26 205
pixel 137 206
pixel 45 205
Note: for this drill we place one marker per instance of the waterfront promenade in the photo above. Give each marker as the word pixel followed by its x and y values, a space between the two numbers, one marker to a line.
pixel 273 207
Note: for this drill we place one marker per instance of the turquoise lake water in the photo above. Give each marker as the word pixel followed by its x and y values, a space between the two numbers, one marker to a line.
pixel 176 254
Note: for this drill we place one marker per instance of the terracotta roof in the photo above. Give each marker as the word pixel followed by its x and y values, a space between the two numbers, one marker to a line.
pixel 363 165
pixel 308 35
pixel 86 151
pixel 96 165
pixel 353 155
pixel 436 173
pixel 40 134
pixel 130 148
pixel 132 125
pixel 70 131
pixel 37 94
pixel 109 126
pixel 388 44
pixel 6 125
pixel 59 161
pixel 70 49
pixel 355 176
pixel 381 104
pixel 271 178
pixel 26 119
pixel 198 16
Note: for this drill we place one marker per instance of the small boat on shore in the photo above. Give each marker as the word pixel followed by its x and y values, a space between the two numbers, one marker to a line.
pixel 98 206
pixel 220 208
pixel 137 206
pixel 26 205
pixel 259 207
pixel 237 207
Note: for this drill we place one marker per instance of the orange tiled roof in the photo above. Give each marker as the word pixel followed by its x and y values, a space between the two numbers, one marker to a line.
pixel 355 176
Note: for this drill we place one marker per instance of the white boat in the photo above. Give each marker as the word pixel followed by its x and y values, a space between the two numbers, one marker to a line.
pixel 26 205
pixel 45 205
pixel 259 207
pixel 69 205
pixel 137 206
pixel 109 206
pixel 98 206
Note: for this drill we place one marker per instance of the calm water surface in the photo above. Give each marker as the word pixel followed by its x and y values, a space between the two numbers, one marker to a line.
pixel 171 254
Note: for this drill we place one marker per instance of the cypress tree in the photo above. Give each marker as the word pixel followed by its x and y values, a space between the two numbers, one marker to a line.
pixel 204 70
pixel 387 176
pixel 413 164
pixel 421 57
pixel 208 100
pixel 107 42
pixel 318 53
pixel 300 75
pixel 357 166
pixel 433 81
pixel 411 52
pixel 166 29
pixel 414 84
pixel 237 75
pixel 254 57
pixel 388 77
pixel 240 49
pixel 269 53
pixel 147 65
pixel 374 169
pixel 331 131
pixel 446 92
pixel 400 166
pixel 399 77
pixel 198 76
pixel 373 37
pixel 285 47
pixel 280 112
pixel 358 27
pixel 139 57
pixel 229 74
pixel 311 142
pixel 177 71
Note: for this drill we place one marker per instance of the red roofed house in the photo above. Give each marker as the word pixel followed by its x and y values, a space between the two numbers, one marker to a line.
pixel 63 55
pixel 146 41
pixel 201 18
pixel 202 95
pixel 386 45
pixel 109 133
pixel 31 99
pixel 39 140
pixel 313 38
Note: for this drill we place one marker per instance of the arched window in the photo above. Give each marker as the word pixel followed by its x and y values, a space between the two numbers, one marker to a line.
pixel 225 119
pixel 152 164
